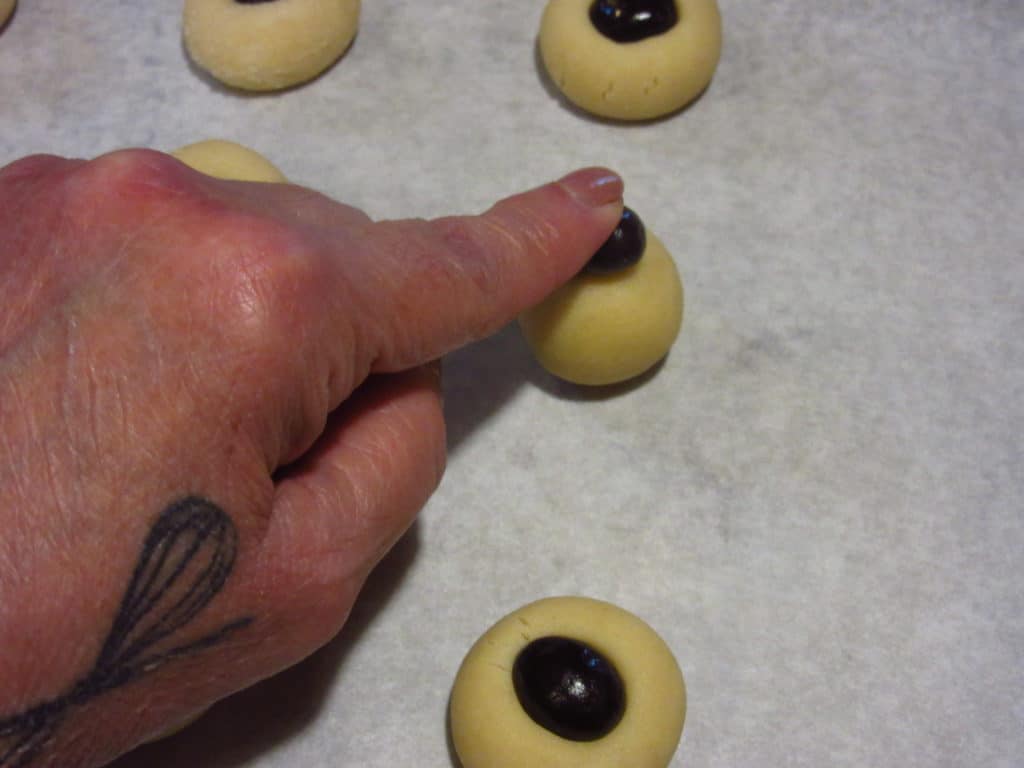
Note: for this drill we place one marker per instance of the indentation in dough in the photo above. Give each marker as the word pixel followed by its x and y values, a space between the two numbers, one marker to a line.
pixel 652 77
pixel 490 728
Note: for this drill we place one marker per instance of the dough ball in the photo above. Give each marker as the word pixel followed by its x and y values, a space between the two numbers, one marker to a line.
pixel 608 325
pixel 228 160
pixel 265 45
pixel 649 58
pixel 567 682
pixel 6 9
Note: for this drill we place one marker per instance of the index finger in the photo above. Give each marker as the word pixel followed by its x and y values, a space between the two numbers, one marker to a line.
pixel 436 285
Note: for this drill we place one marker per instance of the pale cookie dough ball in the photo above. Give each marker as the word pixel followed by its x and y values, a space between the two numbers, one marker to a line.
pixel 265 45
pixel 614 320
pixel 567 682
pixel 228 160
pixel 6 9
pixel 631 59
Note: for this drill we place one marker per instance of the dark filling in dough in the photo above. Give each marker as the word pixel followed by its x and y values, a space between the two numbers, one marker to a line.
pixel 568 688
pixel 628 21
pixel 623 249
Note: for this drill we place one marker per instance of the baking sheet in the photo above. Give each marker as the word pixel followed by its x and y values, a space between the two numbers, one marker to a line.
pixel 817 499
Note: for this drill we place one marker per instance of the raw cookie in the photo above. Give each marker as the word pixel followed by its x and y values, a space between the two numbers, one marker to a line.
pixel 663 54
pixel 582 667
pixel 614 320
pixel 265 45
pixel 6 8
pixel 228 160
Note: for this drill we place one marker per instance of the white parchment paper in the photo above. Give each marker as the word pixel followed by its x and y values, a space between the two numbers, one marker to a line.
pixel 818 499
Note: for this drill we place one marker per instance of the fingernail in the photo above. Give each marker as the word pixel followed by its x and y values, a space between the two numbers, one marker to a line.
pixel 593 187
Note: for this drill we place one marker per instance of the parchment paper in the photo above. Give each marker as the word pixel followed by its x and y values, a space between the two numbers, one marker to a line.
pixel 817 500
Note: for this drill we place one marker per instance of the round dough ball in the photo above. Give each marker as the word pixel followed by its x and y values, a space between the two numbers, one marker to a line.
pixel 636 80
pixel 6 9
pixel 228 160
pixel 607 328
pixel 266 45
pixel 491 729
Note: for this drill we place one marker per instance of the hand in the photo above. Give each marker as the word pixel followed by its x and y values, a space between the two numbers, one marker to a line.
pixel 218 410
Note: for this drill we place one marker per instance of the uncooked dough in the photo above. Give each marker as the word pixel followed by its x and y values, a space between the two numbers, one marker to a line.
pixel 637 80
pixel 228 160
pixel 605 328
pixel 266 45
pixel 6 8
pixel 491 729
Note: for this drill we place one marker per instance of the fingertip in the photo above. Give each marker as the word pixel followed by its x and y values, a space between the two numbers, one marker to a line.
pixel 560 225
pixel 593 187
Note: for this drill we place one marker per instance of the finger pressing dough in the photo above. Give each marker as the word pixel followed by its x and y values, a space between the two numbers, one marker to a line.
pixel 6 9
pixel 265 45
pixel 567 682
pixel 631 59
pixel 228 160
pixel 614 320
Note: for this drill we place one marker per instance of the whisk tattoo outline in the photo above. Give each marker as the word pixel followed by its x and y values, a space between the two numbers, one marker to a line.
pixel 185 560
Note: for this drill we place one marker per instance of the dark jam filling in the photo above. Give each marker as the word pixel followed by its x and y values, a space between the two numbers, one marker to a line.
pixel 629 21
pixel 622 249
pixel 568 688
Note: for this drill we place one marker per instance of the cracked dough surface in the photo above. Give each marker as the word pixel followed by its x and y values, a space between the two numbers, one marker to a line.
pixel 267 46
pixel 630 81
pixel 228 160
pixel 491 730
pixel 604 329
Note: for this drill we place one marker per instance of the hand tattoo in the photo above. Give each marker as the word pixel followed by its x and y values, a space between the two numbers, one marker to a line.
pixel 185 560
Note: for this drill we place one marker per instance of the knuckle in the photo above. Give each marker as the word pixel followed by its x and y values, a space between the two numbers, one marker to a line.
pixel 30 167
pixel 32 199
pixel 136 177
pixel 263 282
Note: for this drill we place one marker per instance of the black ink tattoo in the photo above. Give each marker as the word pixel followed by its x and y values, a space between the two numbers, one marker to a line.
pixel 185 560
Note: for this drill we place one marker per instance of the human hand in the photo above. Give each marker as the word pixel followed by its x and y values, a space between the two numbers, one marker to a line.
pixel 217 412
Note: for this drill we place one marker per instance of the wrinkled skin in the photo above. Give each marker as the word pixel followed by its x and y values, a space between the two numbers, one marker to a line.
pixel 163 333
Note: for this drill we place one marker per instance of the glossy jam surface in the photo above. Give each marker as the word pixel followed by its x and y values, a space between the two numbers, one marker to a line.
pixel 629 21
pixel 623 248
pixel 568 688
